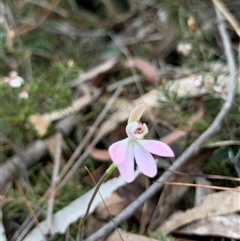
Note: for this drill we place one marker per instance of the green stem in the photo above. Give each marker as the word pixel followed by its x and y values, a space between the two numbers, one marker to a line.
pixel 104 177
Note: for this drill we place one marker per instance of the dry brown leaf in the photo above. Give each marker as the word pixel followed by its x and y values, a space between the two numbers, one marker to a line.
pixel 40 123
pixel 200 191
pixel 150 99
pixel 96 174
pixel 52 142
pixel 223 226
pixel 92 225
pixel 100 155
pixel 128 237
pixel 174 136
pixel 172 194
pixel 215 204
pixel 94 72
pixel 145 67
pixel 76 209
pixel 115 204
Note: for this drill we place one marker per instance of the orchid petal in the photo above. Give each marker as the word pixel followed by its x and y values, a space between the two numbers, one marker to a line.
pixel 157 147
pixel 144 160
pixel 136 113
pixel 126 168
pixel 118 151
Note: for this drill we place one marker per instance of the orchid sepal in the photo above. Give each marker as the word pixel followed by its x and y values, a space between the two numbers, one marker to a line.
pixel 136 113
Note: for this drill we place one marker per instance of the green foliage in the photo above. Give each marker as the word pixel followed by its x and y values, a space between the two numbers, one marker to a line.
pixel 47 92
pixel 219 164
pixel 160 236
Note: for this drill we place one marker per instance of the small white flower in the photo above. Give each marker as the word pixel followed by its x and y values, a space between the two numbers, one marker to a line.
pixel 14 80
pixel 184 48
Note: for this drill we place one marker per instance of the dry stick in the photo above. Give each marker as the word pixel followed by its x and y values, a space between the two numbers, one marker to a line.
pixel 29 208
pixel 213 128
pixel 216 177
pixel 14 165
pixel 143 220
pixel 53 185
pixel 202 186
pixel 85 140
pixel 24 228
pixel 228 15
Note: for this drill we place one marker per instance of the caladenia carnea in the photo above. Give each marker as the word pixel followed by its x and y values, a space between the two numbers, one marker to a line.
pixel 134 147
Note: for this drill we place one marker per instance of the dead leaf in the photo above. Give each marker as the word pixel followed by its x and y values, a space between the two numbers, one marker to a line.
pixel 52 142
pixel 131 192
pixel 40 123
pixel 76 209
pixel 145 67
pixel 96 174
pixel 223 226
pixel 215 204
pixel 172 194
pixel 115 204
pixel 150 99
pixel 201 192
pixel 92 225
pixel 100 155
pixel 128 237
pixel 94 72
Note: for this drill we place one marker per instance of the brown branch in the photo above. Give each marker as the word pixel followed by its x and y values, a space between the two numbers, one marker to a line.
pixel 29 208
pixel 193 149
pixel 14 166
pixel 202 186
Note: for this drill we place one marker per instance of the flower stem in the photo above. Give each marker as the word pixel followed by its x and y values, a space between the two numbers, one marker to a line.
pixel 104 177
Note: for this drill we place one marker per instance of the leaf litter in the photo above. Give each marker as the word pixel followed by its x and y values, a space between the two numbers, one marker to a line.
pixel 146 41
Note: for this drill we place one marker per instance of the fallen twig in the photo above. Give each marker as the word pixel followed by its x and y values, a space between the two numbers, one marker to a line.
pixel 29 208
pixel 202 186
pixel 79 161
pixel 12 167
pixel 53 185
pixel 228 15
pixel 193 149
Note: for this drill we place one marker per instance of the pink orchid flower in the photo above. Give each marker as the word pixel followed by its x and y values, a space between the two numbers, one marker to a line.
pixel 135 147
